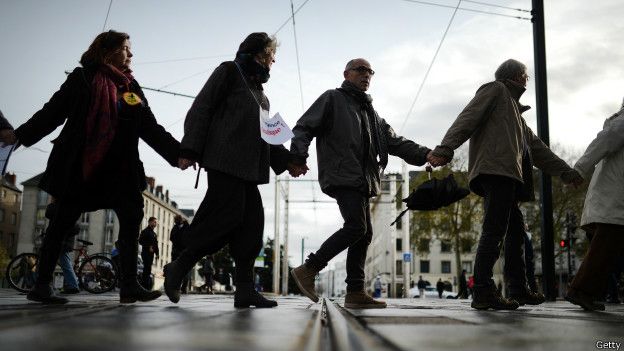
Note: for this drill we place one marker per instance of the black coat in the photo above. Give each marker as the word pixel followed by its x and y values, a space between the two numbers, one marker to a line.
pixel 222 129
pixel 70 105
pixel 148 239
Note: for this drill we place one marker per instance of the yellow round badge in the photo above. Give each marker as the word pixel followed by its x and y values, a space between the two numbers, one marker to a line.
pixel 131 98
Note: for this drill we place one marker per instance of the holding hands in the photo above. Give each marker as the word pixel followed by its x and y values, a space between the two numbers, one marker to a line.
pixel 436 161
pixel 297 170
pixel 184 163
pixel 572 178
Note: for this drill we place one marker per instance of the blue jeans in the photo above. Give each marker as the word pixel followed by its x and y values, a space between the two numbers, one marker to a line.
pixel 69 277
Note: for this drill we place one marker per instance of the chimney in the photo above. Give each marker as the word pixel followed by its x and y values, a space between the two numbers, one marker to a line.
pixel 150 183
pixel 167 196
pixel 11 178
pixel 158 190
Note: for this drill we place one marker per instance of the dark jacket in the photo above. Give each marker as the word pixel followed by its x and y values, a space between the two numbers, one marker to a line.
pixel 148 239
pixel 70 105
pixel 222 129
pixel 4 124
pixel 335 119
pixel 178 239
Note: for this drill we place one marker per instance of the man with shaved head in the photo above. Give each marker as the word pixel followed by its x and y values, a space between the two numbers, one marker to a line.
pixel 353 144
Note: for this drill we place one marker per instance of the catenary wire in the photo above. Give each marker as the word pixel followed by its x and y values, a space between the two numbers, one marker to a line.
pixel 288 20
pixel 435 55
pixel 107 13
pixel 467 9
pixel 495 5
pixel 292 9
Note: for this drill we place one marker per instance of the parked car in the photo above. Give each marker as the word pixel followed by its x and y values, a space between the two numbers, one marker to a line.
pixel 431 292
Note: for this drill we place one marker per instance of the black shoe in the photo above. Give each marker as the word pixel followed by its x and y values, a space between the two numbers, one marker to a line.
pixel 486 298
pixel 70 290
pixel 45 295
pixel 173 281
pixel 527 297
pixel 584 300
pixel 247 298
pixel 131 291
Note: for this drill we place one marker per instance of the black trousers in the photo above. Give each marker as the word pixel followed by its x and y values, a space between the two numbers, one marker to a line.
pixel 146 277
pixel 356 234
pixel 129 211
pixel 502 220
pixel 230 214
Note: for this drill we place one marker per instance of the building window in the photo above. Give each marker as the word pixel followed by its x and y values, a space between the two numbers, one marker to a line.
pixel 423 245
pixel 109 236
pixel 399 267
pixel 3 194
pixel 42 198
pixel 385 186
pixel 445 246
pixel 467 266
pixel 84 218
pixel 424 266
pixel 399 244
pixel 84 234
pixel 446 266
pixel 13 218
pixel 41 216
pixel 399 224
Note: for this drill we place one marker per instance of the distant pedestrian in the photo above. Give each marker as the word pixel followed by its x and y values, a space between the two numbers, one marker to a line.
pixel 603 212
pixel 440 287
pixel 208 273
pixel 462 293
pixel 377 285
pixel 149 248
pixel 94 163
pixel 470 285
pixel 502 153
pixel 421 287
pixel 178 236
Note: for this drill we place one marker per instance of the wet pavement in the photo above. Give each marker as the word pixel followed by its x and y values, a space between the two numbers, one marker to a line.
pixel 210 322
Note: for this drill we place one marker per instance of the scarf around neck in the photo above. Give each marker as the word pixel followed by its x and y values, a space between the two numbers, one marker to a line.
pixel 101 121
pixel 380 143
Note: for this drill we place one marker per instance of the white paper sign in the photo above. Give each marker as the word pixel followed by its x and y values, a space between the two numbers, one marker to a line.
pixel 274 130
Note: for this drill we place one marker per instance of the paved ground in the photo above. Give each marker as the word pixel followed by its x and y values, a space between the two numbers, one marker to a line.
pixel 210 322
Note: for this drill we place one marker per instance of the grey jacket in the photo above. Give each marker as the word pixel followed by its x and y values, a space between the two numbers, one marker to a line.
pixel 222 129
pixel 604 202
pixel 498 135
pixel 335 119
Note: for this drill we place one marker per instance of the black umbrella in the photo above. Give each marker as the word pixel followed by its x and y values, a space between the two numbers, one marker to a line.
pixel 434 194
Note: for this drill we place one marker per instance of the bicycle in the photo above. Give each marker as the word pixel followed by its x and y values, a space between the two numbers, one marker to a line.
pixel 96 274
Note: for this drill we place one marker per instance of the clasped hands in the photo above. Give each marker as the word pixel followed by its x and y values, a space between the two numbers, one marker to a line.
pixel 436 161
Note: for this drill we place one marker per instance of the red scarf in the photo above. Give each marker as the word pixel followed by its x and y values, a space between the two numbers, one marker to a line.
pixel 101 123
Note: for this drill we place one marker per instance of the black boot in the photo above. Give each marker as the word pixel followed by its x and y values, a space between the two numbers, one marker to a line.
pixel 130 290
pixel 488 297
pixel 45 295
pixel 175 272
pixel 246 296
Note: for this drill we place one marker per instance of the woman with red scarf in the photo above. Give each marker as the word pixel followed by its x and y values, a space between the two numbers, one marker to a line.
pixel 95 163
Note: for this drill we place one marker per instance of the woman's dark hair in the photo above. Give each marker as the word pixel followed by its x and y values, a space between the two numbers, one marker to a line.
pixel 103 45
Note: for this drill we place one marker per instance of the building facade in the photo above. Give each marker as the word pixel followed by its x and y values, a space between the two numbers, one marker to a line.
pixel 100 227
pixel 10 204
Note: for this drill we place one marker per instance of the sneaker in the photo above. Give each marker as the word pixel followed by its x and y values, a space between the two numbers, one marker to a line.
pixel 584 300
pixel 304 277
pixel 487 298
pixel 362 300
pixel 528 297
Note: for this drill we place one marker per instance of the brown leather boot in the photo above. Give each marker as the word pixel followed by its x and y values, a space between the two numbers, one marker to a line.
pixel 488 297
pixel 360 299
pixel 304 276
pixel 584 300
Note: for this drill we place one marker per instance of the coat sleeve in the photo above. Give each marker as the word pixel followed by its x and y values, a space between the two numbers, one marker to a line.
pixel 472 117
pixel 52 114
pixel 309 126
pixel 280 157
pixel 609 140
pixel 542 155
pixel 408 150
pixel 202 110
pixel 156 136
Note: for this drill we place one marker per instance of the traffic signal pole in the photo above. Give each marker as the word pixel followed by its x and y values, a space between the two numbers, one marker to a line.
pixel 541 97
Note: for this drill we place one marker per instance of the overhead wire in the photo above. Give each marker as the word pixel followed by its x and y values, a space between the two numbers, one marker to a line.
pixel 467 9
pixel 496 5
pixel 110 4
pixel 291 16
pixel 292 9
pixel 182 59
pixel 435 55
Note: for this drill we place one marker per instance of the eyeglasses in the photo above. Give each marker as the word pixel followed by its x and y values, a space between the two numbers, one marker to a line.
pixel 363 69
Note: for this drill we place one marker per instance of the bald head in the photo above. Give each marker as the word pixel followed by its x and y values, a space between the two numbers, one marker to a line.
pixel 358 71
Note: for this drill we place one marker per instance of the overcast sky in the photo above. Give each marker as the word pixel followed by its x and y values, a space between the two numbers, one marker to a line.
pixel 177 44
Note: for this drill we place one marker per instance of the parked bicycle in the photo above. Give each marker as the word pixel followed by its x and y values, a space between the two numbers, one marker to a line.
pixel 96 273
